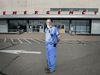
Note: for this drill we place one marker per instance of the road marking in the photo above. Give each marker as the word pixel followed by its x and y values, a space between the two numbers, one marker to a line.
pixel 19 40
pixel 5 40
pixel 40 40
pixel 19 51
pixel 12 40
pixel 31 52
pixel 35 40
pixel 27 40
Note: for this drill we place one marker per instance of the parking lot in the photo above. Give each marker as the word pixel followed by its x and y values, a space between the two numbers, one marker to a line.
pixel 42 41
pixel 27 57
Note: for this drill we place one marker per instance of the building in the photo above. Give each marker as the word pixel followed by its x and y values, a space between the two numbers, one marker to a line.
pixel 78 16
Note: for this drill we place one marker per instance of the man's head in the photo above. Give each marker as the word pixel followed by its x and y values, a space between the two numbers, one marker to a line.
pixel 49 23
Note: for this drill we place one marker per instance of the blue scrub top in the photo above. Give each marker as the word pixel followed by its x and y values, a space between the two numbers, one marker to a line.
pixel 51 35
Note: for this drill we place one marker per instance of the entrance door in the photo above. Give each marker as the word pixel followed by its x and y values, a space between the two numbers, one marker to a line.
pixel 36 28
pixel 60 26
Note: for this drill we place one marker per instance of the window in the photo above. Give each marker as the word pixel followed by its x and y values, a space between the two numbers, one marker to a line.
pixel 73 26
pixel 33 26
pixel 41 26
pixel 74 9
pixel 17 24
pixel 58 27
pixel 81 26
pixel 62 26
pixel 78 26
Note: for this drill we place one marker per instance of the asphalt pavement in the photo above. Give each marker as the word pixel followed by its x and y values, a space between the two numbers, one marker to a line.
pixel 28 57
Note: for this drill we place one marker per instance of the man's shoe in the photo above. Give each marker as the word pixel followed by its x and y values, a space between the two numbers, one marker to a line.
pixel 46 69
pixel 49 72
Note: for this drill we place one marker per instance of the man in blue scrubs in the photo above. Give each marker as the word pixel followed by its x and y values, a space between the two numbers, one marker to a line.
pixel 52 34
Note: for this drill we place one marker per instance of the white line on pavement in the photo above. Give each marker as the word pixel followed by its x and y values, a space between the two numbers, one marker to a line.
pixel 12 40
pixel 19 51
pixel 5 40
pixel 35 40
pixel 19 40
pixel 32 52
pixel 40 40
pixel 27 40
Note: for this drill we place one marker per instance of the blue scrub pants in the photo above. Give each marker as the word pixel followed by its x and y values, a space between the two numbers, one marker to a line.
pixel 50 55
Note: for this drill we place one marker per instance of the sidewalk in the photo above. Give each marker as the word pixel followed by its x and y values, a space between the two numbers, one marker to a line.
pixel 42 36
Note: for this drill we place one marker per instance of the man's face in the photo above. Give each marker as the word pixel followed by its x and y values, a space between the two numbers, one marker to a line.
pixel 49 23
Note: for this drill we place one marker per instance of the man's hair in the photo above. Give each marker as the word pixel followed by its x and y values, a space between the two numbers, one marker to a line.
pixel 50 19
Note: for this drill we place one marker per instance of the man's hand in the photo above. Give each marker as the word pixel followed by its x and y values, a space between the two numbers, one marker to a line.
pixel 58 38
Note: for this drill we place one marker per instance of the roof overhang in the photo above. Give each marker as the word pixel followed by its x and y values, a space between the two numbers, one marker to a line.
pixel 72 16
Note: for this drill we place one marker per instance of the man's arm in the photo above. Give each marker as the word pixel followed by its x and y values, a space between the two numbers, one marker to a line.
pixel 58 37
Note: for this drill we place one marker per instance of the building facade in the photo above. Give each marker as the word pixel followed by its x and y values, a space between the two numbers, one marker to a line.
pixel 79 16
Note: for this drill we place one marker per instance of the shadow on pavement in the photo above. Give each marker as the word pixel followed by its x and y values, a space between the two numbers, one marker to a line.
pixel 1 73
pixel 9 46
